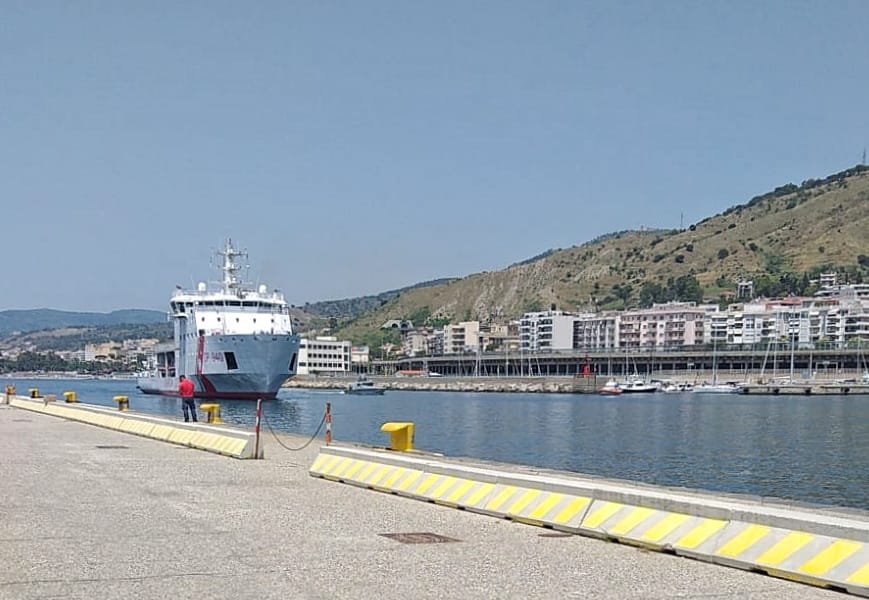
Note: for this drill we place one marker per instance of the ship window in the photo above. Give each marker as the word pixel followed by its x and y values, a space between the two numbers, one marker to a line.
pixel 218 319
pixel 236 319
pixel 231 363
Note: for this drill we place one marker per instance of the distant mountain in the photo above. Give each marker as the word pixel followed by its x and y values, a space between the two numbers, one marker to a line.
pixel 353 307
pixel 45 318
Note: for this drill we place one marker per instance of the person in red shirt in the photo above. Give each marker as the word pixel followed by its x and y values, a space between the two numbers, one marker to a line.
pixel 185 389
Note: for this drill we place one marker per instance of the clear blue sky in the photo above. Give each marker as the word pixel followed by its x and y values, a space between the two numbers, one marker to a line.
pixel 357 147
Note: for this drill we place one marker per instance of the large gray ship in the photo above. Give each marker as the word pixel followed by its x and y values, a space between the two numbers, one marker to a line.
pixel 233 342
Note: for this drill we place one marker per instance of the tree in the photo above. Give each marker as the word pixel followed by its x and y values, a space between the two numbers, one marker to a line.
pixel 623 292
pixel 685 288
pixel 651 293
pixel 723 253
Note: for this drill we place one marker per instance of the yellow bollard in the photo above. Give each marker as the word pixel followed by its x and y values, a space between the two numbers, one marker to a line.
pixel 69 397
pixel 123 402
pixel 34 392
pixel 10 391
pixel 213 413
pixel 400 435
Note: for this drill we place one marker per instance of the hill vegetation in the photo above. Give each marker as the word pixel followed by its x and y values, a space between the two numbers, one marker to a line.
pixel 43 318
pixel 780 240
pixel 353 307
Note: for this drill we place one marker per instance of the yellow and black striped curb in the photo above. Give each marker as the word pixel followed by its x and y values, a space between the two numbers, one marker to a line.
pixel 820 547
pixel 229 442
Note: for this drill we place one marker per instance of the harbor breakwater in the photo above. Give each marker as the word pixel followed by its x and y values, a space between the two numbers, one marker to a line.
pixel 548 385
pixel 756 384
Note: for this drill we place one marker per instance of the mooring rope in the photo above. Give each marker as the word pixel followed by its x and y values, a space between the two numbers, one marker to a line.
pixel 303 446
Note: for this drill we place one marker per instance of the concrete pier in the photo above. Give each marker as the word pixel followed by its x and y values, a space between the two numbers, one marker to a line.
pixel 87 512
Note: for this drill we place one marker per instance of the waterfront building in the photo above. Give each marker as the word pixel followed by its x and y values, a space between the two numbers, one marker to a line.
pixel 418 342
pixel 595 332
pixel 324 354
pixel 546 331
pixel 668 325
pixel 360 357
pixel 744 325
pixel 464 337
pixel 496 337
pixel 436 343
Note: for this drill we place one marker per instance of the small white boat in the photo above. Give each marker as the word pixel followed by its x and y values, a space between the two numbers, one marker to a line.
pixel 671 387
pixel 716 388
pixel 364 387
pixel 636 385
pixel 610 388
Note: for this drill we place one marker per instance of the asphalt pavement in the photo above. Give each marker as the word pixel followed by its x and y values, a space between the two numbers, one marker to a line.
pixel 90 513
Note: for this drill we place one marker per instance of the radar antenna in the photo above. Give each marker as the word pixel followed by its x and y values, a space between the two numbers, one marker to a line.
pixel 231 283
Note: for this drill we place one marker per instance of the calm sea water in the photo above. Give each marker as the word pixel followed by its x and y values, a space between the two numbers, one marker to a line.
pixel 808 449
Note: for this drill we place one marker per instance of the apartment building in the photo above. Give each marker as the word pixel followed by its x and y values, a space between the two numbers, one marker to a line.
pixel 324 354
pixel 546 331
pixel 672 324
pixel 464 337
pixel 596 332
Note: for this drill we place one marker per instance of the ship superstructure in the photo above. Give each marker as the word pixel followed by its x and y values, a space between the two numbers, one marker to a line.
pixel 233 341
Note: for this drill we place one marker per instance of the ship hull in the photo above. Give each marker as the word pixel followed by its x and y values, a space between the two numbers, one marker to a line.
pixel 231 367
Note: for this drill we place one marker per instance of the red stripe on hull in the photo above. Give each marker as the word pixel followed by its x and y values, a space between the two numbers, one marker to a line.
pixel 218 395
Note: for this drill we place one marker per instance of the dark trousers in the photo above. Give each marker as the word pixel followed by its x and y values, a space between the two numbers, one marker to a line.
pixel 187 404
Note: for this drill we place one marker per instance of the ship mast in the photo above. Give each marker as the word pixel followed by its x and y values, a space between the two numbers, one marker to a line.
pixel 231 283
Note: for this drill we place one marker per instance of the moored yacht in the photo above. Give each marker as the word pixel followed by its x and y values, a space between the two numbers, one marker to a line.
pixel 635 385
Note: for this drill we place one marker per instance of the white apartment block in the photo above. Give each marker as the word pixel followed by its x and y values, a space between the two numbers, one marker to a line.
pixel 464 337
pixel 596 332
pixel 805 322
pixel 324 354
pixel 546 331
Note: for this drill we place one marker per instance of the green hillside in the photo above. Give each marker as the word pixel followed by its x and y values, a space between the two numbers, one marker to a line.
pixel 779 240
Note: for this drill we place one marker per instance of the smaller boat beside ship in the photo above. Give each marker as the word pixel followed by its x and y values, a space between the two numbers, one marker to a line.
pixel 364 387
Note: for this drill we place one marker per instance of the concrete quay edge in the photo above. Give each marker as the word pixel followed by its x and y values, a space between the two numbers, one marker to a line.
pixel 821 547
pixel 223 440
